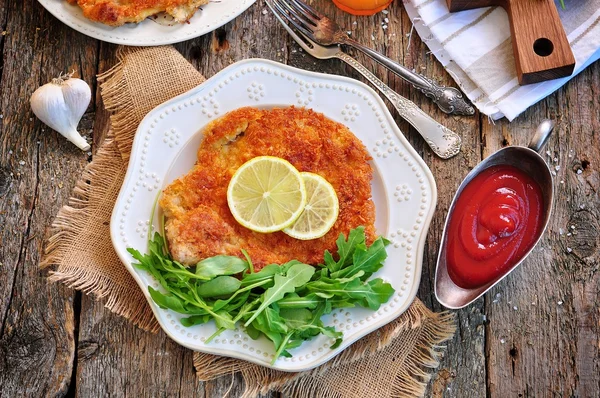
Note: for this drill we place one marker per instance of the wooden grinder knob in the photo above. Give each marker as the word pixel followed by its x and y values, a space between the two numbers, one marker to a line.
pixel 542 51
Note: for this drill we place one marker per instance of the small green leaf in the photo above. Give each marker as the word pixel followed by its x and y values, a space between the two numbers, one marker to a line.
pixel 266 273
pixel 380 292
pixel 369 260
pixel 224 320
pixel 269 320
pixel 281 346
pixel 220 265
pixel 253 332
pixel 247 308
pixel 234 302
pixel 330 263
pixel 195 320
pixel 295 318
pixel 292 300
pixel 297 275
pixel 346 248
pixel 166 301
pixel 219 287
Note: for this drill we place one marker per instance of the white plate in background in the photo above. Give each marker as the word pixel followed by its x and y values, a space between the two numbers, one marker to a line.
pixel 149 33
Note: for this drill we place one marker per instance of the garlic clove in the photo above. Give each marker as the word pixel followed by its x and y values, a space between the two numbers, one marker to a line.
pixel 60 104
pixel 77 96
pixel 48 104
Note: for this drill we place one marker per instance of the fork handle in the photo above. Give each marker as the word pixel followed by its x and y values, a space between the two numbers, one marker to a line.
pixel 448 99
pixel 443 142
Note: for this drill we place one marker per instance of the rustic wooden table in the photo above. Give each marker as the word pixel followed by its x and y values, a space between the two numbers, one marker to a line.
pixel 537 334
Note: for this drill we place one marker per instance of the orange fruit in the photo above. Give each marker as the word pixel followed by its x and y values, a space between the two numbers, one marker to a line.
pixel 362 7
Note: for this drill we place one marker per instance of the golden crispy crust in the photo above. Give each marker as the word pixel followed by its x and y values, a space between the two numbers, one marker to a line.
pixel 119 12
pixel 199 223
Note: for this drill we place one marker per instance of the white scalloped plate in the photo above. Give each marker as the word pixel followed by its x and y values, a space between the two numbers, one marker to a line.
pixel 149 33
pixel 404 192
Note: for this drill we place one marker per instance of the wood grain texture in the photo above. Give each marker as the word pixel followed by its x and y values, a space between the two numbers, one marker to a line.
pixel 36 319
pixel 543 333
pixel 542 51
pixel 54 342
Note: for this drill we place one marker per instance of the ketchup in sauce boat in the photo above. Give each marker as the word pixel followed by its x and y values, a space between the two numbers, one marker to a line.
pixel 496 220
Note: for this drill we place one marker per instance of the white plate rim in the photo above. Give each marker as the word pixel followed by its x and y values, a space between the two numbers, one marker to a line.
pixel 125 258
pixel 72 16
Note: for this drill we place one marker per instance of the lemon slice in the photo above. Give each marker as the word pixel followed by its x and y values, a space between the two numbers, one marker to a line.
pixel 266 194
pixel 321 210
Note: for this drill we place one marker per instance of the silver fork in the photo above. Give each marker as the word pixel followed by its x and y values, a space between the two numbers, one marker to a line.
pixel 326 32
pixel 443 142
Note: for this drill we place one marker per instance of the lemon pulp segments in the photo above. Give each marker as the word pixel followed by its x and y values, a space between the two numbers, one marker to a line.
pixel 266 194
pixel 321 210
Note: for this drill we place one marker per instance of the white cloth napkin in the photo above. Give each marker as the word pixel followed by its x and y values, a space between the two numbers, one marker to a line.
pixel 475 47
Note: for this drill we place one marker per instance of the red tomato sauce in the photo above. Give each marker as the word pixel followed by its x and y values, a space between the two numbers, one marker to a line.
pixel 496 220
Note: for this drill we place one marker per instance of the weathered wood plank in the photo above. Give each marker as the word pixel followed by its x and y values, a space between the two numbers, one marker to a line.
pixel 116 358
pixel 36 318
pixel 543 331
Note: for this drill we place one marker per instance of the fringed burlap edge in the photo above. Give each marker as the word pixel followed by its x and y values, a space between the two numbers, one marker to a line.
pixel 411 381
pixel 69 223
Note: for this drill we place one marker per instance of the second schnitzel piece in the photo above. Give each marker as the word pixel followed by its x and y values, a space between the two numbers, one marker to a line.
pixel 199 223
pixel 119 12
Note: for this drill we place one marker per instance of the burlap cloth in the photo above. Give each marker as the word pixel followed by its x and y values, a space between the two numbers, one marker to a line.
pixel 394 361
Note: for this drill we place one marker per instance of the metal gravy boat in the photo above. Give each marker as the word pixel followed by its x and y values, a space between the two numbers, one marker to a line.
pixel 528 160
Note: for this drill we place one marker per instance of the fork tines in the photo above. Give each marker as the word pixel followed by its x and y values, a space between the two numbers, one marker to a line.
pixel 299 14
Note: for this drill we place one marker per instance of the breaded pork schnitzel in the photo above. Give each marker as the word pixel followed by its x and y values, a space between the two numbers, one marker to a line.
pixel 119 12
pixel 199 223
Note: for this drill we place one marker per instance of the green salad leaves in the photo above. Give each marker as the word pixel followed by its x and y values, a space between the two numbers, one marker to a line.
pixel 284 303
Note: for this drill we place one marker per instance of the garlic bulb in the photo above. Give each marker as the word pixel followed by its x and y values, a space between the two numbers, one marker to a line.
pixel 60 104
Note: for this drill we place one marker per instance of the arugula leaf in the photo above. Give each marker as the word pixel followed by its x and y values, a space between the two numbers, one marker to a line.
pixel 328 331
pixel 219 287
pixel 292 300
pixel 380 292
pixel 247 309
pixel 166 301
pixel 195 320
pixel 330 263
pixel 356 238
pixel 232 303
pixel 253 332
pixel 371 294
pixel 224 320
pixel 297 275
pixel 266 273
pixel 367 260
pixel 295 318
pixel 218 304
pixel 270 320
pixel 220 265
pixel 270 324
